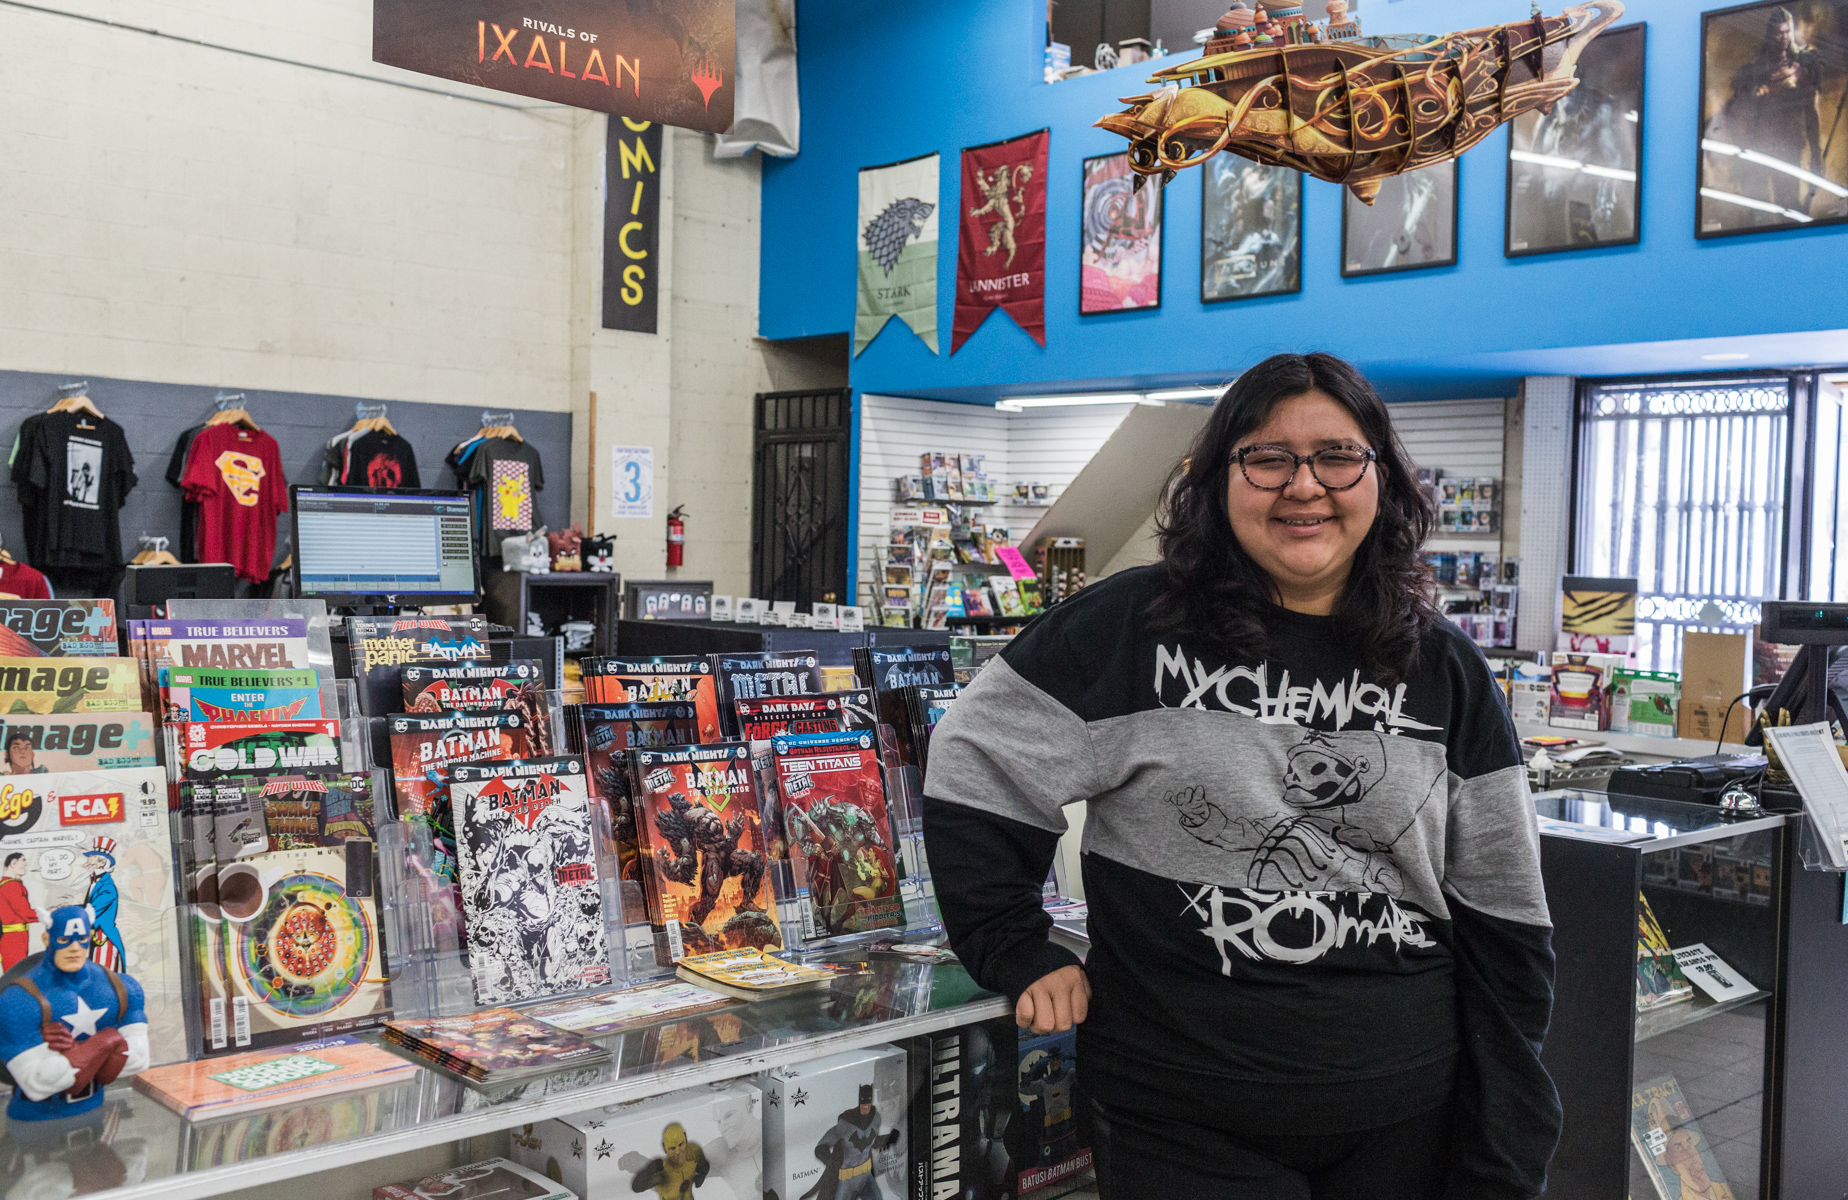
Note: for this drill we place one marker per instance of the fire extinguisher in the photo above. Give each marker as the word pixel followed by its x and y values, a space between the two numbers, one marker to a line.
pixel 676 536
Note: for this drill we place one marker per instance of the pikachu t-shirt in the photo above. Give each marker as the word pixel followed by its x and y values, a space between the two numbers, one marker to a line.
pixel 506 477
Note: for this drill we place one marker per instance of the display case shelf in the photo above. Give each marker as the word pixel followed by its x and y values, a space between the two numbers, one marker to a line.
pixel 191 1161
pixel 1680 1016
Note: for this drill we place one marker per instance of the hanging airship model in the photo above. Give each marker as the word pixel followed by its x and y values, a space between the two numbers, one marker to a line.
pixel 1319 98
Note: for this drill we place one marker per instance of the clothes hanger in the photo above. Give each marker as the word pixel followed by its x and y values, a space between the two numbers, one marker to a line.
pixel 370 418
pixel 154 553
pixel 499 425
pixel 75 397
pixel 227 415
pixel 5 558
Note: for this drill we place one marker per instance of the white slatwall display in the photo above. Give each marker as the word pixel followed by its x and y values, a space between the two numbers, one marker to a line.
pixel 1546 453
pixel 1457 437
pixel 1046 445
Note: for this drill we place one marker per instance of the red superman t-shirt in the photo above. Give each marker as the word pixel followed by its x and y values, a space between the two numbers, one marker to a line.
pixel 235 475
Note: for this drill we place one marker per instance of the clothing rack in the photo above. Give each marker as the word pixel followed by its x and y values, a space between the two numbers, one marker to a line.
pixel 225 400
pixel 72 389
pixel 231 411
pixel 495 418
pixel 368 412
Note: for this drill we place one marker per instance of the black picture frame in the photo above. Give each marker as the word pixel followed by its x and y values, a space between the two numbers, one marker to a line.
pixel 1151 192
pixel 1521 215
pixel 1725 179
pixel 1393 192
pixel 1291 257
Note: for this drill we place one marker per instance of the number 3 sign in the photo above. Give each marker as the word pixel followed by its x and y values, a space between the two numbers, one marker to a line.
pixel 634 468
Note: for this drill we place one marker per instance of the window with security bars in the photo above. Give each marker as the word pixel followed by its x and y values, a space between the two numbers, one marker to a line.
pixel 1828 515
pixel 1681 485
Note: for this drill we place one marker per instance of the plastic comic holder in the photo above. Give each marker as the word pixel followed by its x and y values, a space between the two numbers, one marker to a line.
pixel 424 926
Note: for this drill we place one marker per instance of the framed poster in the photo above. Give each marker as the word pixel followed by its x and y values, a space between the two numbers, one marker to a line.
pixel 1411 225
pixel 1119 260
pixel 1773 87
pixel 1573 173
pixel 1251 229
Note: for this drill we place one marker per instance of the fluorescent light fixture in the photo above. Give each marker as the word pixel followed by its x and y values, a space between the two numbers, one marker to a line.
pixel 1760 205
pixel 1725 356
pixel 1185 395
pixel 1774 164
pixel 1017 403
pixel 1568 164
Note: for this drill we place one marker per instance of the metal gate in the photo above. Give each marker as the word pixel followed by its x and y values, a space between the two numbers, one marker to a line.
pixel 799 496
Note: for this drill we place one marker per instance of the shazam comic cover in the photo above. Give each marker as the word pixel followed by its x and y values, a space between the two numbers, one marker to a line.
pixel 610 732
pixel 469 687
pixel 383 646
pixel 197 694
pixel 687 677
pixel 209 750
pixel 702 842
pixel 98 838
pixel 287 926
pixel 840 839
pixel 531 888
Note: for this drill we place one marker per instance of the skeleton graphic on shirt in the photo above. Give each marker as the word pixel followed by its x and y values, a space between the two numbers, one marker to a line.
pixel 1310 846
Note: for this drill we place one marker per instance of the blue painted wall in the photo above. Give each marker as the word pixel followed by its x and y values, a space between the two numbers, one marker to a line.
pixel 882 82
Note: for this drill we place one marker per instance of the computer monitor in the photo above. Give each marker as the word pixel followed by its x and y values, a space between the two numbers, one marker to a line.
pixel 371 546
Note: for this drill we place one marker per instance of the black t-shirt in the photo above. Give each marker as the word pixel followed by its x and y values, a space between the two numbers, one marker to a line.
pixel 375 459
pixel 77 472
pixel 506 477
pixel 189 509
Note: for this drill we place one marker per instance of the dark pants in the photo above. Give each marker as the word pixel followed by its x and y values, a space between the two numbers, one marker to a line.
pixel 1147 1158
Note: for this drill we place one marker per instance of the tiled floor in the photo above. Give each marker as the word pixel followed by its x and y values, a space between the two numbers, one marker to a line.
pixel 1719 1063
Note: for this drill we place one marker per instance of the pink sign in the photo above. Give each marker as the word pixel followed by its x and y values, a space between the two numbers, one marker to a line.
pixel 1015 564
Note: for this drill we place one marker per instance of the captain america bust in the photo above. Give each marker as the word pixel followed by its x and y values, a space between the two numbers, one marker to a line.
pixel 68 1026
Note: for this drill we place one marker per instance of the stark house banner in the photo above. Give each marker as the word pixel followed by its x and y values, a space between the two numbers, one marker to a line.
pixel 898 250
pixel 1001 245
pixel 671 61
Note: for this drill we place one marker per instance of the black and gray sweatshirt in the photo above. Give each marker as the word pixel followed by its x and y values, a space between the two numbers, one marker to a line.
pixel 1315 899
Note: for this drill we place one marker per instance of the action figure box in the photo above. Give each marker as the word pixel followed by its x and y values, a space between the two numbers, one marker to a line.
pixel 1582 686
pixel 491 1179
pixel 995 1113
pixel 1646 702
pixel 703 1143
pixel 838 1126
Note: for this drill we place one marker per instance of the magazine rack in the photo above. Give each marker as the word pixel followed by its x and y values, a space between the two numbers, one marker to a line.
pixel 1658 1076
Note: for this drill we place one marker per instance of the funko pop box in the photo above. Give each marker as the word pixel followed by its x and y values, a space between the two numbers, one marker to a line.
pixel 844 1116
pixel 709 1137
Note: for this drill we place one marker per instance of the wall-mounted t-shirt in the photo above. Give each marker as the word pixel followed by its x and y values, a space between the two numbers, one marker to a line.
pixel 506 477
pixel 236 476
pixel 375 459
pixel 74 472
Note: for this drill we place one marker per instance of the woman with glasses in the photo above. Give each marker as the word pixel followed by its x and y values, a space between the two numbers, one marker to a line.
pixel 1321 964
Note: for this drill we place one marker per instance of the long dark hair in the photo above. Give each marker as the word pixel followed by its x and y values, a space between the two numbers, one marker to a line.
pixel 1211 587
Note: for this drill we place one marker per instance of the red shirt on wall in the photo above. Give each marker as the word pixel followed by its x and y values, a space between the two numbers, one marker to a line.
pixel 235 475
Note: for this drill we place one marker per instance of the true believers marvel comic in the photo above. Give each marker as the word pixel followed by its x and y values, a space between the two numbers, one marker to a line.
pixel 703 851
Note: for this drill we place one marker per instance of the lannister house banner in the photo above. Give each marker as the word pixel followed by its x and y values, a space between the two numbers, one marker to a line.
pixel 898 250
pixel 670 61
pixel 1001 251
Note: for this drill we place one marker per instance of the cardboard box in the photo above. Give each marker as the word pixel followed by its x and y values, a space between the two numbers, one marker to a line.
pixel 1713 674
pixel 649 1146
pixel 490 1179
pixel 1645 702
pixel 846 1115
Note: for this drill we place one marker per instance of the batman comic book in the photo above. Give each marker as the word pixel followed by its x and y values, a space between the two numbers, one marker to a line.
pixel 531 882
pixel 758 720
pixel 688 678
pixel 703 852
pixel 470 687
pixel 608 732
pixel 383 646
pixel 834 815
pixel 208 750
pixel 763 675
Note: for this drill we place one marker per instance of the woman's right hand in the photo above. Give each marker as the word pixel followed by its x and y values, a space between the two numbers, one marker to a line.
pixel 1055 1002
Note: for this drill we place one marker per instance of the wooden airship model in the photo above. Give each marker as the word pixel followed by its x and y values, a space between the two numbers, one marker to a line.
pixel 1319 98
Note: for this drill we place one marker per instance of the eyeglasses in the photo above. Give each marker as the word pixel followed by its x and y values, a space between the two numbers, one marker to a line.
pixel 1271 469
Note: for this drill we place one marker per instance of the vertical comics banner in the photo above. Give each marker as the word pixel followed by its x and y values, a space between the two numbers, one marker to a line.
pixel 671 61
pixel 632 225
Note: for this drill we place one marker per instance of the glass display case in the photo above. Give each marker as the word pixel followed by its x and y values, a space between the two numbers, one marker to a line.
pixel 1669 934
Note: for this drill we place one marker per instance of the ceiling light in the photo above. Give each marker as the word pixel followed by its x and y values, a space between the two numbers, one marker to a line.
pixel 1725 356
pixel 1017 403
pixel 1184 395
